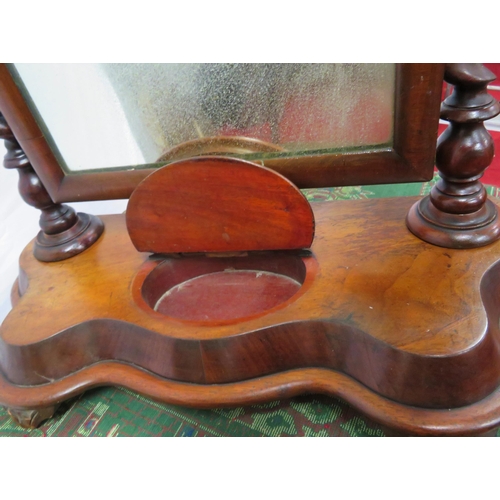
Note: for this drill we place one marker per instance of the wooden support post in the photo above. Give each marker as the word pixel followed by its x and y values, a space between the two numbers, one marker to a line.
pixel 64 233
pixel 457 213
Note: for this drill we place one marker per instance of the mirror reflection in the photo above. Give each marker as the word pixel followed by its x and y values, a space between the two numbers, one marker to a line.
pixel 102 116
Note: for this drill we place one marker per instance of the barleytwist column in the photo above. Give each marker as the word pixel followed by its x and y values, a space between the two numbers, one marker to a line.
pixel 457 213
pixel 64 232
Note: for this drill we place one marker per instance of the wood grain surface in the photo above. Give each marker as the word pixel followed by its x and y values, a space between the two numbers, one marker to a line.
pixel 217 204
pixel 379 310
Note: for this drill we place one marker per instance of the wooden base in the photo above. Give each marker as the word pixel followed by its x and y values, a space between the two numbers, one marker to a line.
pixel 404 331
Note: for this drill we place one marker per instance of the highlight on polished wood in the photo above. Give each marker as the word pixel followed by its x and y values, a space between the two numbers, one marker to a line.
pixel 217 204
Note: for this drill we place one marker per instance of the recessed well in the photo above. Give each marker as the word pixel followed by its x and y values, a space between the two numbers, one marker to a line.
pixel 223 289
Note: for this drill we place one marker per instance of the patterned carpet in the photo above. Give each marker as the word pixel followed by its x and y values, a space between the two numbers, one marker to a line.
pixel 118 412
pixel 113 411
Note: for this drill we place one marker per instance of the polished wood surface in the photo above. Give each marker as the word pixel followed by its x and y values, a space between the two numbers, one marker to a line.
pixel 410 158
pixel 401 329
pixel 64 232
pixel 405 331
pixel 216 204
pixel 457 213
pixel 473 420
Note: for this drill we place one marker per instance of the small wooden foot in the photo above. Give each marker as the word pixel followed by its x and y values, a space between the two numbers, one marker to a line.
pixel 31 418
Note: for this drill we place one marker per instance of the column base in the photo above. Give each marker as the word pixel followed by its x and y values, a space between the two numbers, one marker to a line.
pixel 453 230
pixel 61 246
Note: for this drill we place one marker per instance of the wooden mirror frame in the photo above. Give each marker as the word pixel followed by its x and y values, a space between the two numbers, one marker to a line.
pixel 410 159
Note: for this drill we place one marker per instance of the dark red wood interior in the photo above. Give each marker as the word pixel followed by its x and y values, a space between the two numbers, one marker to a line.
pixel 223 288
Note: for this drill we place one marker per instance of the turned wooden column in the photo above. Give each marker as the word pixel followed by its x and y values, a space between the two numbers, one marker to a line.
pixel 457 213
pixel 64 233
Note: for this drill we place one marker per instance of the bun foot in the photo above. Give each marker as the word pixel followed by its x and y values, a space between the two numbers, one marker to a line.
pixel 30 418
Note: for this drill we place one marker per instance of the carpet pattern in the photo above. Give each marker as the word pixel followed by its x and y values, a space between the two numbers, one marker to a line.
pixel 111 411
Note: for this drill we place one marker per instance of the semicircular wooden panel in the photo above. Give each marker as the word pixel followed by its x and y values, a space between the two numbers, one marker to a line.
pixel 216 204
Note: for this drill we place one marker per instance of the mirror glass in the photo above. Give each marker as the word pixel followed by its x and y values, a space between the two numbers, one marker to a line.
pixel 103 116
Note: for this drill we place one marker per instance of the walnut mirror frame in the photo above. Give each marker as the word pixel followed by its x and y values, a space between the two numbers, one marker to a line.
pixel 410 159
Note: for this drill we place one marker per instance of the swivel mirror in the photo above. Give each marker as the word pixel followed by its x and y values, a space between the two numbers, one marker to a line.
pixel 222 285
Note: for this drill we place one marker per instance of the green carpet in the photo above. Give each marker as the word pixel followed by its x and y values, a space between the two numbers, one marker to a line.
pixel 111 411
